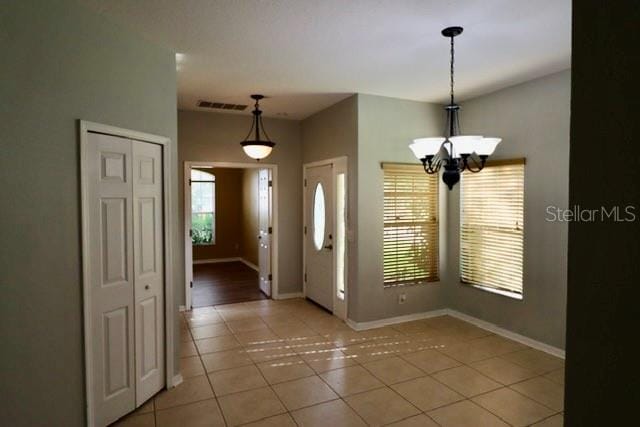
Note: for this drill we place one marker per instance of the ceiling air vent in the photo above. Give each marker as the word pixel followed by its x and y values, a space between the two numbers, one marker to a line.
pixel 221 105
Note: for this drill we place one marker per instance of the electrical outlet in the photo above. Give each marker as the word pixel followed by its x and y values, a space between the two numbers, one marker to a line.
pixel 402 298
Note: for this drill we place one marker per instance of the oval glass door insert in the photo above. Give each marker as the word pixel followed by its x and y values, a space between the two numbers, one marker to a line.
pixel 318 216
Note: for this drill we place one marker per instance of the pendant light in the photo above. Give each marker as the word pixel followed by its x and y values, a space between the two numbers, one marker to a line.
pixel 455 152
pixel 257 148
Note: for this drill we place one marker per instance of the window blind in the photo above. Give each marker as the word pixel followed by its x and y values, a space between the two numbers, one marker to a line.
pixel 492 226
pixel 410 225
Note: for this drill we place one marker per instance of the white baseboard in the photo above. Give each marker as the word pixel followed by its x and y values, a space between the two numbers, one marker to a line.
pixel 249 264
pixel 182 308
pixel 554 351
pixel 289 295
pixel 363 326
pixel 176 381
pixel 216 260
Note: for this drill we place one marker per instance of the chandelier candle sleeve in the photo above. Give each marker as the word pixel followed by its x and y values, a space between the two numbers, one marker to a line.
pixel 455 152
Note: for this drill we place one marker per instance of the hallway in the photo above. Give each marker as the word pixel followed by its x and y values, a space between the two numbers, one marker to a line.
pixel 224 283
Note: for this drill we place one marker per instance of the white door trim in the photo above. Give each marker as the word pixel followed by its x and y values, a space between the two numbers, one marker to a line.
pixel 85 128
pixel 339 166
pixel 188 255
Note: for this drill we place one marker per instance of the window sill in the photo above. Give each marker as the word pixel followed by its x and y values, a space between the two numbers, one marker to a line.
pixel 508 294
pixel 404 285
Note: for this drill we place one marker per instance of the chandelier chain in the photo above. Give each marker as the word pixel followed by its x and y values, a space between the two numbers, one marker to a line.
pixel 452 69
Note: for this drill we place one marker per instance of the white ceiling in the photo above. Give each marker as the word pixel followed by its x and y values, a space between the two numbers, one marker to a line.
pixel 308 54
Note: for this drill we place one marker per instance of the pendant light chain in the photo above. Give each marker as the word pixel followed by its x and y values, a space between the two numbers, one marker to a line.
pixel 452 69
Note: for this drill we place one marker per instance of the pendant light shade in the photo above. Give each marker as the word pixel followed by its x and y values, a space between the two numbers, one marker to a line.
pixel 424 147
pixel 257 148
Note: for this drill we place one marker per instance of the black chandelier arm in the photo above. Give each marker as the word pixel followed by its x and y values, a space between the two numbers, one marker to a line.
pixel 430 166
pixel 478 166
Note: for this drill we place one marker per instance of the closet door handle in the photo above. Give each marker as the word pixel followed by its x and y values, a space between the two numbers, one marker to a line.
pixel 146 287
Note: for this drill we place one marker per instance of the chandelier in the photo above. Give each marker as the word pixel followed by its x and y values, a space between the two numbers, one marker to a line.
pixel 257 148
pixel 454 152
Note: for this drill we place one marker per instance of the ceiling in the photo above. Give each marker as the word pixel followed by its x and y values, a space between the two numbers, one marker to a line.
pixel 308 54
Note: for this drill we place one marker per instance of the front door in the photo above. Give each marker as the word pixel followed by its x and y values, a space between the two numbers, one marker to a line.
pixel 319 235
pixel 265 232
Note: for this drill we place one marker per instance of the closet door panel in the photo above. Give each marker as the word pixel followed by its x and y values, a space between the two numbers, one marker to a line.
pixel 110 275
pixel 148 271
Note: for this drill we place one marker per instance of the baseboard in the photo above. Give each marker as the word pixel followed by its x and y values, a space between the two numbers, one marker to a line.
pixel 249 264
pixel 554 351
pixel 182 308
pixel 216 260
pixel 176 380
pixel 289 295
pixel 363 326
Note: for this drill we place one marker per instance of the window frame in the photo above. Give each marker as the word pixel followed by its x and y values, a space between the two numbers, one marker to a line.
pixel 432 265
pixel 494 289
pixel 212 181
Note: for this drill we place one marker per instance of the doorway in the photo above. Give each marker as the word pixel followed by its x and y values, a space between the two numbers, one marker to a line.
pixel 325 234
pixel 230 234
pixel 127 307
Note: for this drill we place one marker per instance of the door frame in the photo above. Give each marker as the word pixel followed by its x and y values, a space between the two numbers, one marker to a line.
pixel 86 127
pixel 188 254
pixel 340 308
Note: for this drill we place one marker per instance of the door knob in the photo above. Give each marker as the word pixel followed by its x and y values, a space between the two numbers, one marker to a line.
pixel 146 287
pixel 329 246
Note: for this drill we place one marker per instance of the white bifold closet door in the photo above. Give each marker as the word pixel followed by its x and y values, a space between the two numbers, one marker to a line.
pixel 126 251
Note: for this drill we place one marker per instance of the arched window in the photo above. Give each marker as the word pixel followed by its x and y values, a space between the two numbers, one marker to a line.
pixel 203 207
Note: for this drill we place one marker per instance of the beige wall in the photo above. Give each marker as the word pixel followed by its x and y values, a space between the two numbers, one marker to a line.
pixel 250 218
pixel 330 133
pixel 215 137
pixel 228 217
pixel 533 120
pixel 61 63
pixel 386 126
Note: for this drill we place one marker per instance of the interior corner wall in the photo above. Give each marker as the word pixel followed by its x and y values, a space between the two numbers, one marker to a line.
pixel 386 126
pixel 533 121
pixel 228 217
pixel 61 63
pixel 250 215
pixel 331 133
pixel 215 137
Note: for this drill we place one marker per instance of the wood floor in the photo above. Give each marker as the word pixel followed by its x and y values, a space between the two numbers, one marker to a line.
pixel 224 283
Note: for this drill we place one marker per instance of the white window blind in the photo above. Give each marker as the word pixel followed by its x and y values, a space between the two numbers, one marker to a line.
pixel 410 225
pixel 492 227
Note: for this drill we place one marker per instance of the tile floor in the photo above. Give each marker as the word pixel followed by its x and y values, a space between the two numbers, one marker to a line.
pixel 288 363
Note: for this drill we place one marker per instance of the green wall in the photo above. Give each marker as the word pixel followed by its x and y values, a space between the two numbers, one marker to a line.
pixel 60 63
